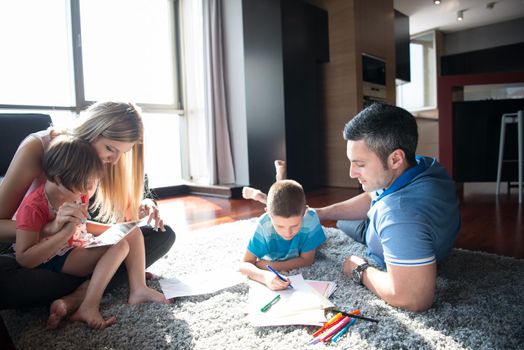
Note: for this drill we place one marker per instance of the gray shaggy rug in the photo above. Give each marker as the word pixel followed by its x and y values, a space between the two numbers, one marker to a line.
pixel 479 305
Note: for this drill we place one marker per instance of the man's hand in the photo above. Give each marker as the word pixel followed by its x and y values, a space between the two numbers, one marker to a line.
pixel 351 263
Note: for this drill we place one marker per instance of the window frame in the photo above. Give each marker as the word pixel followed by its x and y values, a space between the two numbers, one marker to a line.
pixel 81 103
pixel 430 72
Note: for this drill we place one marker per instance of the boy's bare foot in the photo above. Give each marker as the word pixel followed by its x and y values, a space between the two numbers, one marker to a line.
pixel 280 168
pixel 63 307
pixel 145 294
pixel 93 318
pixel 253 193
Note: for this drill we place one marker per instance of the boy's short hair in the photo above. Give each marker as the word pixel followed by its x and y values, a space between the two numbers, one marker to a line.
pixel 73 160
pixel 286 198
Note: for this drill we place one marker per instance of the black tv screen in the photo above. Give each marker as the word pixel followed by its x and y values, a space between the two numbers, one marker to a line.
pixel 373 70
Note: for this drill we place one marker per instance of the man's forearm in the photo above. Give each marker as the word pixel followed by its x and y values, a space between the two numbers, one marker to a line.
pixel 355 208
pixel 407 297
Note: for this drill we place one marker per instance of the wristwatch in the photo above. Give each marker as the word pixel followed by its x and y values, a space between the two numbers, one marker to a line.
pixel 358 273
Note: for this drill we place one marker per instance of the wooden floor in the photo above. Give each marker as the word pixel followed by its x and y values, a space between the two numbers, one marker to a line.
pixel 489 223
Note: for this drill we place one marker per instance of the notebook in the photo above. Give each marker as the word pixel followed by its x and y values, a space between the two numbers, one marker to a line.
pixel 301 305
pixel 326 288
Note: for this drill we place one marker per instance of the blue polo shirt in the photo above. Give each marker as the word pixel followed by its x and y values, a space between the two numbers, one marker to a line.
pixel 417 224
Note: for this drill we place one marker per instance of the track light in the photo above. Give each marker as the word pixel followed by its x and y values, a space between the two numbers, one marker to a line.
pixel 436 2
pixel 460 15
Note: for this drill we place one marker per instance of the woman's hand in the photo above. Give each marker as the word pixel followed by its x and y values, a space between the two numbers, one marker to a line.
pixel 149 208
pixel 73 213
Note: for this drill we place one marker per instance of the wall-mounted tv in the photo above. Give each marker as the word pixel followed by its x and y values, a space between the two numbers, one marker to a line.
pixel 373 70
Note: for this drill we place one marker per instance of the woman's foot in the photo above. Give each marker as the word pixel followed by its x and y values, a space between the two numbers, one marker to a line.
pixel 93 318
pixel 280 168
pixel 253 193
pixel 63 307
pixel 145 294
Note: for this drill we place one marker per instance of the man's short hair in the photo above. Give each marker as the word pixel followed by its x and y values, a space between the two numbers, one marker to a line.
pixel 385 128
pixel 286 198
pixel 73 160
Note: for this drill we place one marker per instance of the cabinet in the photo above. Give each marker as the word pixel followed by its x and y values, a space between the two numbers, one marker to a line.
pixel 476 135
pixel 285 44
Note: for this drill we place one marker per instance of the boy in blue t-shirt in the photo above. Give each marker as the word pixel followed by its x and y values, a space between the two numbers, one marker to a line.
pixel 286 236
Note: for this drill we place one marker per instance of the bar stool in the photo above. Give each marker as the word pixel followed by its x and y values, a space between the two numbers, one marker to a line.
pixel 510 118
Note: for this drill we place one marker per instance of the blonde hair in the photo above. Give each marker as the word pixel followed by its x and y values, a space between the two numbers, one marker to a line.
pixel 286 198
pixel 73 162
pixel 121 188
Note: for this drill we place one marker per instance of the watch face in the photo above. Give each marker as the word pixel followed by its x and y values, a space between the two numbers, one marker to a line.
pixel 355 275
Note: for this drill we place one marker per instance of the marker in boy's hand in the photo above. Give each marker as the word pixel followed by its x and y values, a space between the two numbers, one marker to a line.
pixel 275 283
pixel 285 280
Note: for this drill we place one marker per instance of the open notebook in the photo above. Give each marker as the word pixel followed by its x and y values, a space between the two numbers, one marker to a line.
pixel 325 288
pixel 301 305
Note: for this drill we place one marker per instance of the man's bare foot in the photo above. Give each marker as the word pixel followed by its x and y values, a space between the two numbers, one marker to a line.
pixel 93 318
pixel 63 307
pixel 280 168
pixel 144 294
pixel 253 193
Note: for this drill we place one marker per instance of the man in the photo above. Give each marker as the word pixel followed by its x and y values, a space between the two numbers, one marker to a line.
pixel 409 205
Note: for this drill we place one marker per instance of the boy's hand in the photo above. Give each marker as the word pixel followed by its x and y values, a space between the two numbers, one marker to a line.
pixel 273 282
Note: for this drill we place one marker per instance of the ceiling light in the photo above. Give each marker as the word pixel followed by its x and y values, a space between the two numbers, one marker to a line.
pixel 436 2
pixel 460 15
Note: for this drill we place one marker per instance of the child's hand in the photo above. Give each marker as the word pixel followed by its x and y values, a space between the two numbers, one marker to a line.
pixel 67 213
pixel 68 230
pixel 273 282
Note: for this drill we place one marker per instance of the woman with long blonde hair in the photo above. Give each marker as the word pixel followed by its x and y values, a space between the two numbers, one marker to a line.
pixel 115 130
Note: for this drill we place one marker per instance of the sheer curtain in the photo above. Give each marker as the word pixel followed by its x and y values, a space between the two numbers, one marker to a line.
pixel 209 149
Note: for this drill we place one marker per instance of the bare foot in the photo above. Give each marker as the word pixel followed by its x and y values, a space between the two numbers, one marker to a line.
pixel 93 318
pixel 280 168
pixel 63 307
pixel 253 193
pixel 144 294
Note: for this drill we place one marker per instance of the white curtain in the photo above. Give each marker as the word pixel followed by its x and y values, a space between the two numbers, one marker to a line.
pixel 209 150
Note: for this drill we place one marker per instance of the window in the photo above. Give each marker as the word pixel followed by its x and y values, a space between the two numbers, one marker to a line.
pixel 420 93
pixel 36 61
pixel 59 56
pixel 127 51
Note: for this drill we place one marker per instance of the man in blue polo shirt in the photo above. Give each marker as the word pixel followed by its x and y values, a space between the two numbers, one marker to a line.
pixel 408 215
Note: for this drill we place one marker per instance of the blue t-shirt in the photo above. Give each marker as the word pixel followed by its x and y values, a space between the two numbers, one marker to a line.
pixel 267 244
pixel 417 224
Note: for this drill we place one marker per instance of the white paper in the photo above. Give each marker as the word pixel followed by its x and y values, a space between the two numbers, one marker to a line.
pixel 198 284
pixel 300 305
